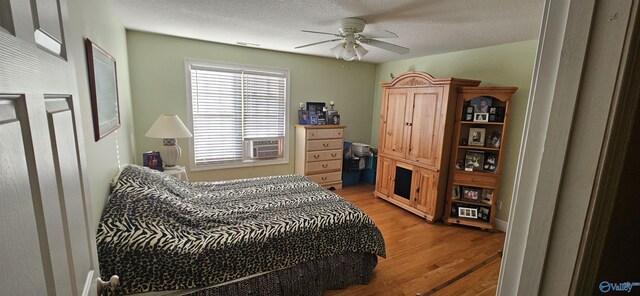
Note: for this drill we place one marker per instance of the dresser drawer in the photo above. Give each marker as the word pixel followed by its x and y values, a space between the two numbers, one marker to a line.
pixel 315 145
pixel 324 155
pixel 327 133
pixel 326 177
pixel 323 166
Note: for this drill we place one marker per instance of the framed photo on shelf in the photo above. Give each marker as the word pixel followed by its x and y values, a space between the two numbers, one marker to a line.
pixel 476 136
pixel 455 195
pixel 315 106
pixel 303 117
pixel 473 161
pixel 481 117
pixel 494 139
pixel 487 195
pixel 469 109
pixel 152 160
pixel 490 163
pixel 468 212
pixel 471 193
pixel 481 104
pixel 483 214
pixel 468 117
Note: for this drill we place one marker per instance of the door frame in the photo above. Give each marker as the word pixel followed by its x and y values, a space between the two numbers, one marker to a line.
pixel 576 95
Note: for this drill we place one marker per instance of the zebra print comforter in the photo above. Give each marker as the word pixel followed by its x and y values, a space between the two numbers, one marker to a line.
pixel 159 233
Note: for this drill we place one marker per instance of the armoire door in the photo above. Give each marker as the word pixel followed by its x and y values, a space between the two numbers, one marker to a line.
pixel 47 238
pixel 425 119
pixel 394 125
pixel 426 191
pixel 385 175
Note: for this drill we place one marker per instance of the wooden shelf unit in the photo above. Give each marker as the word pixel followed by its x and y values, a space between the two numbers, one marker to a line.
pixel 477 181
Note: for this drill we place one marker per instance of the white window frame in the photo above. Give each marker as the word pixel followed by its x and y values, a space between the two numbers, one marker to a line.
pixel 246 162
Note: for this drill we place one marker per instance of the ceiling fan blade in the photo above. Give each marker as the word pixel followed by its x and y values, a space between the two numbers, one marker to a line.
pixel 316 43
pixel 324 33
pixel 378 34
pixel 387 46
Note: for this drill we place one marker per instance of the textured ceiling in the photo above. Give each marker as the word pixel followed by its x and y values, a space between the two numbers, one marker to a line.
pixel 425 26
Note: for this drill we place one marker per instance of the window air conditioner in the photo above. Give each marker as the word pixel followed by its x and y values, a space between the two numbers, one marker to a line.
pixel 260 148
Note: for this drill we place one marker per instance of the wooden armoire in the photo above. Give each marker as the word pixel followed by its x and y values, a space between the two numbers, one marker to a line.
pixel 416 126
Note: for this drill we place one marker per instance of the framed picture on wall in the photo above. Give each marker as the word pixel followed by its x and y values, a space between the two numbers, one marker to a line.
pixel 103 86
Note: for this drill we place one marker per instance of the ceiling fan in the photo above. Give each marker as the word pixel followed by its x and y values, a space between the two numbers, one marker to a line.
pixel 353 39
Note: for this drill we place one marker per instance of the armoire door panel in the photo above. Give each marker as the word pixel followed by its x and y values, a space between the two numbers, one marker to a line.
pixel 426 191
pixel 385 174
pixel 425 124
pixel 395 124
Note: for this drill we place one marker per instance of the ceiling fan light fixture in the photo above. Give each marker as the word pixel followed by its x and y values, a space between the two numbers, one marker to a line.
pixel 360 51
pixel 349 53
pixel 337 50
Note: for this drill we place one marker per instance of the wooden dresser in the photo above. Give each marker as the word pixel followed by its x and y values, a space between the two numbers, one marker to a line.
pixel 319 153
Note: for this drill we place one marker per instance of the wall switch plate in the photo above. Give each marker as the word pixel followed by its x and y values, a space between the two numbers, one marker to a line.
pixel 499 205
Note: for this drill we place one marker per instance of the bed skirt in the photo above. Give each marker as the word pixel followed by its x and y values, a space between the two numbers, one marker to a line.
pixel 309 278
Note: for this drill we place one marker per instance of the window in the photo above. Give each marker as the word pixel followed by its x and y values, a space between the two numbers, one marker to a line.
pixel 238 115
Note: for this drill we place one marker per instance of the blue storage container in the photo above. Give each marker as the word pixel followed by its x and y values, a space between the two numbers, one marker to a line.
pixel 368 176
pixel 350 178
pixel 372 162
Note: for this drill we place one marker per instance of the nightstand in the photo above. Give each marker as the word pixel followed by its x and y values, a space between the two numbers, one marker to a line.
pixel 178 172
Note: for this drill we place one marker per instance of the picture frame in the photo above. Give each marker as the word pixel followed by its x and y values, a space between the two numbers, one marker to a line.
pixel 484 214
pixel 487 195
pixel 315 106
pixel 152 160
pixel 334 119
pixel 313 118
pixel 473 194
pixel 494 139
pixel 455 194
pixel 303 117
pixel 490 163
pixel 476 136
pixel 481 104
pixel 103 87
pixel 473 161
pixel 469 109
pixel 465 212
pixel 322 117
pixel 481 117
pixel 468 117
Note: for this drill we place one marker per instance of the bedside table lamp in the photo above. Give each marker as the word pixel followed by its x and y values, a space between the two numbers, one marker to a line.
pixel 169 127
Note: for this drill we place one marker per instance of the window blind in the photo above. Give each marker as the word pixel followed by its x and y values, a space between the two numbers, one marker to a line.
pixel 231 105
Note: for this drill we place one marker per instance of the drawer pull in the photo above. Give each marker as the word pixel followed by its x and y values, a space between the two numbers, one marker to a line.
pixel 325 165
pixel 316 156
pixel 324 178
pixel 325 145
pixel 334 154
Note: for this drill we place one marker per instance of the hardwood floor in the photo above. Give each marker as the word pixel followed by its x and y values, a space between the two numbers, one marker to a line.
pixel 430 259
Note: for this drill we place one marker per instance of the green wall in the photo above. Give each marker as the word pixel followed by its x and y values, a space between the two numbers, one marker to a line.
pixel 158 86
pixel 502 65
pixel 98 21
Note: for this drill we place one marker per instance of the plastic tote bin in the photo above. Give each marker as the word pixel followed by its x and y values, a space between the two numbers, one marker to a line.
pixel 368 176
pixel 350 178
pixel 372 162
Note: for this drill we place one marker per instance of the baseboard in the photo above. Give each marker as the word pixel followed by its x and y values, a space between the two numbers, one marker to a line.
pixel 501 225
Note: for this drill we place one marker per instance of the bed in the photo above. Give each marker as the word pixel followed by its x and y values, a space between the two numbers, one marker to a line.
pixel 267 236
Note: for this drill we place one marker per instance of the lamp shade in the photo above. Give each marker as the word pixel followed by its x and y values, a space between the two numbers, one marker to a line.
pixel 168 126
